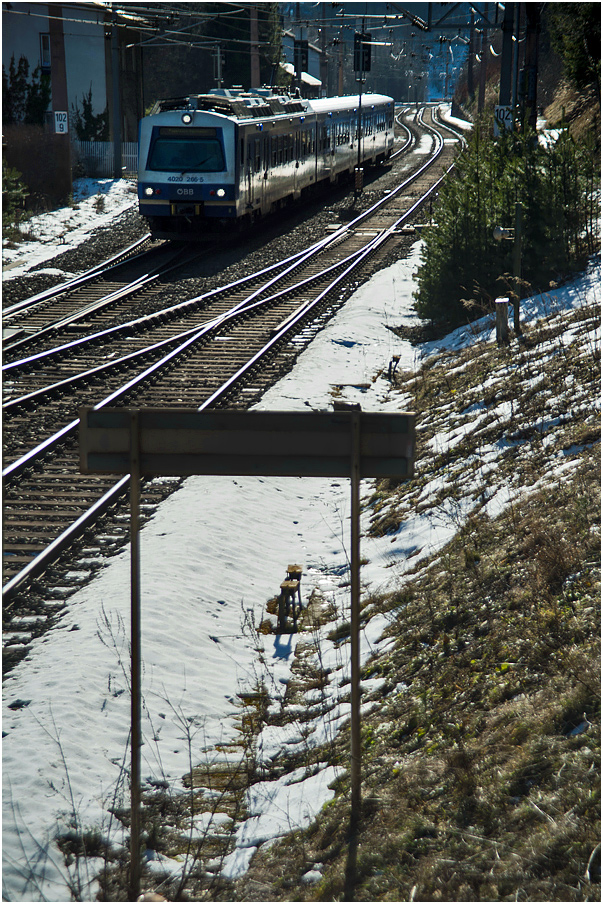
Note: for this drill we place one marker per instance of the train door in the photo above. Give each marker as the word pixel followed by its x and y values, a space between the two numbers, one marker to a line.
pixel 333 148
pixel 297 172
pixel 248 173
pixel 253 174
pixel 264 168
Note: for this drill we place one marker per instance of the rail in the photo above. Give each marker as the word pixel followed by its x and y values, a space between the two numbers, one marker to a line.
pixel 184 341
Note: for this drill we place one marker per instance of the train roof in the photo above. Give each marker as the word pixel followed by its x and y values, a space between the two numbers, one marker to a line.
pixel 255 106
pixel 335 104
pixel 240 107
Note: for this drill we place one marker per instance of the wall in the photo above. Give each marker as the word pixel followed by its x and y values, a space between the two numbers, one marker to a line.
pixel 22 24
pixel 38 156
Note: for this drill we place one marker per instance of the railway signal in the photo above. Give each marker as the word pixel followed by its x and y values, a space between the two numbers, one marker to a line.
pixel 300 57
pixel 362 52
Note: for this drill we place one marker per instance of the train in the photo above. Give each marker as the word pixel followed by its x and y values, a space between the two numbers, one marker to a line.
pixel 213 164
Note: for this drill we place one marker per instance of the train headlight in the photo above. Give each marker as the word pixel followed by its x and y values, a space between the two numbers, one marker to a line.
pixel 221 193
pixel 187 119
pixel 148 191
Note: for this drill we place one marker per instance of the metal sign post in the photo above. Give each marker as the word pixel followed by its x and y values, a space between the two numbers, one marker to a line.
pixel 135 655
pixel 356 748
pixel 156 442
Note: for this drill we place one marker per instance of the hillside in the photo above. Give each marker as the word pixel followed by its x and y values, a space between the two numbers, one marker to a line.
pixel 481 737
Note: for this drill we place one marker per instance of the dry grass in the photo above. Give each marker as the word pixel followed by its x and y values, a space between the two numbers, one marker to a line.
pixel 481 761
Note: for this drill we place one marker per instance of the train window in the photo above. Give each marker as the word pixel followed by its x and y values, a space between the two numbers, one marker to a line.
pixel 256 156
pixel 176 150
pixel 242 151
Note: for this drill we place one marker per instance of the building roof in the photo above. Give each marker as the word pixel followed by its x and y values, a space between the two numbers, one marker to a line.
pixel 306 78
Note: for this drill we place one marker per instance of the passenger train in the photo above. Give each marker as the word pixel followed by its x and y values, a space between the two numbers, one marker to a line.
pixel 209 163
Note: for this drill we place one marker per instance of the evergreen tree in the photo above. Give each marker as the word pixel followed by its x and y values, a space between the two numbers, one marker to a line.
pixel 38 98
pixel 556 186
pixel 90 126
pixel 14 194
pixel 14 91
pixel 575 30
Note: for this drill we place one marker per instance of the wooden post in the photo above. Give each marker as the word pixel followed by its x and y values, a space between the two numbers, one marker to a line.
pixel 135 690
pixel 502 321
pixel 355 623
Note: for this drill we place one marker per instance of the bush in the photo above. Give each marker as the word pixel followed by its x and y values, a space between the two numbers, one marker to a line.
pixel 14 193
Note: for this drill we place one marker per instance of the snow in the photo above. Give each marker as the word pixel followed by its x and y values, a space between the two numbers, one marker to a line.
pixel 212 556
pixel 277 808
pixel 95 201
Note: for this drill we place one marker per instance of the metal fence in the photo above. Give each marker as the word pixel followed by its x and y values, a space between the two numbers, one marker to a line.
pixel 96 157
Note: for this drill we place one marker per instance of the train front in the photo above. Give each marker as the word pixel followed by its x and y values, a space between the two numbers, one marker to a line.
pixel 187 185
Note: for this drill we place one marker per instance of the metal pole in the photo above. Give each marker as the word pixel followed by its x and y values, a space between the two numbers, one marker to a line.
pixel 517 267
pixel 135 732
pixel 359 174
pixel 482 69
pixel 255 48
pixel 355 623
pixel 117 173
pixel 506 60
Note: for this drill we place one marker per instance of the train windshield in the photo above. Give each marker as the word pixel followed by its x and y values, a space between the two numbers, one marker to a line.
pixel 176 150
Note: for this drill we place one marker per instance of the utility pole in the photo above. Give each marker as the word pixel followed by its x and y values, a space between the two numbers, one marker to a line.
pixel 116 118
pixel 506 60
pixel 483 65
pixel 470 84
pixel 60 105
pixel 531 65
pixel 255 50
pixel 361 64
pixel 218 64
pixel 515 94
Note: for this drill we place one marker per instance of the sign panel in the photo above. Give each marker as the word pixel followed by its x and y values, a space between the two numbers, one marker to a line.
pixel 503 119
pixel 61 122
pixel 181 442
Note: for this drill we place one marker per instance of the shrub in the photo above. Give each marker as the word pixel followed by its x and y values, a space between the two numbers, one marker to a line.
pixel 14 193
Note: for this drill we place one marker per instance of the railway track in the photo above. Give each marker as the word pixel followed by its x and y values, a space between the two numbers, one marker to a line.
pixel 223 348
pixel 105 291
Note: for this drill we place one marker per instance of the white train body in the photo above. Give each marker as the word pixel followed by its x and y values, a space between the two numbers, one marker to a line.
pixel 209 162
